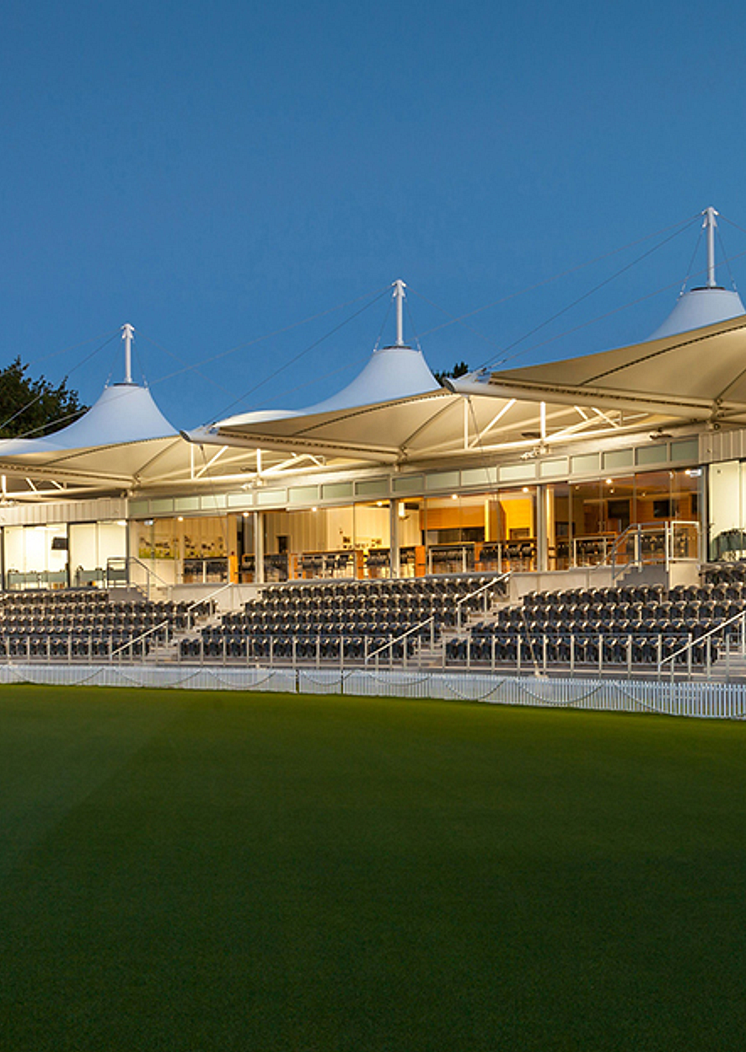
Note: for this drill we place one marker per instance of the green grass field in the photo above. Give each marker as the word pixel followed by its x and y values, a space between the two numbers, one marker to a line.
pixel 217 871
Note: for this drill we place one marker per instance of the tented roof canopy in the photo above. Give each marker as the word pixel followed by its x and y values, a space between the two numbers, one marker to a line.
pixel 699 308
pixel 118 438
pixel 123 413
pixel 699 375
pixel 390 373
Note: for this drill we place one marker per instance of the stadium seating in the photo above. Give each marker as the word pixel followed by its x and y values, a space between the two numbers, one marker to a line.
pixel 352 621
pixel 444 620
pixel 627 626
pixel 85 623
pixel 458 620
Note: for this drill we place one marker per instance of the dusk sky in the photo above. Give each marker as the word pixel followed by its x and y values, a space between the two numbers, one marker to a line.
pixel 216 173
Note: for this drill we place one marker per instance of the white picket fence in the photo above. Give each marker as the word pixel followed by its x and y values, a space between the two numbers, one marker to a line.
pixel 701 699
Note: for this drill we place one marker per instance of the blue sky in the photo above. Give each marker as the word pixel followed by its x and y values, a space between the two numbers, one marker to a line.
pixel 214 173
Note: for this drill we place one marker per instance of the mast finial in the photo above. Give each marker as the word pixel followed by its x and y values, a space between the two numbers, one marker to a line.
pixel 128 332
pixel 399 288
pixel 710 224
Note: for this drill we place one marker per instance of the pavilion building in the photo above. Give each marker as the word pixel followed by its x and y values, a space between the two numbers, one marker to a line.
pixel 634 454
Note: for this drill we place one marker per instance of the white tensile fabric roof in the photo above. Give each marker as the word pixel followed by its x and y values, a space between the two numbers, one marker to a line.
pixel 685 377
pixel 391 373
pixel 698 375
pixel 122 413
pixel 395 413
pixel 698 308
pixel 114 440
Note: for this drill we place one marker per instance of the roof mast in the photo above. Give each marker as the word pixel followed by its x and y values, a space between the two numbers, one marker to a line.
pixel 710 224
pixel 399 288
pixel 127 334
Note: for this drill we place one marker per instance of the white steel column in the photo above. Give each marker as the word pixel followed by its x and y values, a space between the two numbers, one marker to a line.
pixel 542 524
pixel 394 557
pixel 399 288
pixel 258 547
pixel 127 334
pixel 710 224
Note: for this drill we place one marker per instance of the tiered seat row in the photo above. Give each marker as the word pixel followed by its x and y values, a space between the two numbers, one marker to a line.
pixel 628 625
pixel 84 624
pixel 347 619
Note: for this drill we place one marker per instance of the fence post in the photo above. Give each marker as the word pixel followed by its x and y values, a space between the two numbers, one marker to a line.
pixel 629 656
pixel 689 656
pixel 600 655
pixel 572 652
pixel 726 641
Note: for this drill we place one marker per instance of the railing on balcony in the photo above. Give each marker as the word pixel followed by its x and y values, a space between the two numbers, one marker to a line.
pixel 654 543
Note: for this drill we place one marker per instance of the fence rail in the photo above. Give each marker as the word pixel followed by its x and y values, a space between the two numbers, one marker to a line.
pixel 700 700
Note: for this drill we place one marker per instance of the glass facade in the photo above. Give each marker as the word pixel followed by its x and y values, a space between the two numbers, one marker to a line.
pixel 555 526
pixel 585 519
pixel 61 556
pixel 727 510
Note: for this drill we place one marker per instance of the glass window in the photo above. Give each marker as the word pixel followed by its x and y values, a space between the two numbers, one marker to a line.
pixel 35 556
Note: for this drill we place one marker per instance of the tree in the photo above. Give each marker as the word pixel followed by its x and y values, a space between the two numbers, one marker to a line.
pixel 459 369
pixel 34 407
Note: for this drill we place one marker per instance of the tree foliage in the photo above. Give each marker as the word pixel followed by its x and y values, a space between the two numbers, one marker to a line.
pixel 34 407
pixel 459 369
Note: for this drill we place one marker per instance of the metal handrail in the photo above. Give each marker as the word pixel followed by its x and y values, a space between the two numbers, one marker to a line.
pixel 155 628
pixel 128 560
pixel 641 529
pixel 700 639
pixel 478 591
pixel 143 635
pixel 207 598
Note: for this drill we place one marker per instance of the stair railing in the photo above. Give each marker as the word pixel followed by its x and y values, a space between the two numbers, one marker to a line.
pixel 162 624
pixel 688 647
pixel 641 532
pixel 428 620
